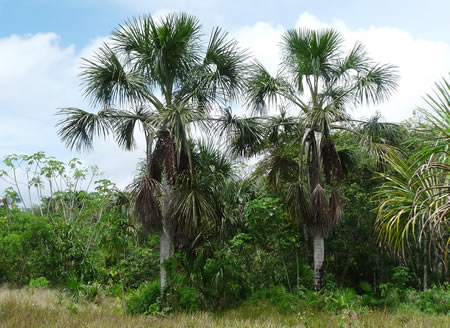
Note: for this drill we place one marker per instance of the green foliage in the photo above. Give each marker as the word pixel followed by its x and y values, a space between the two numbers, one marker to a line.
pixel 26 244
pixel 435 300
pixel 341 299
pixel 40 282
pixel 78 290
pixel 401 276
pixel 145 299
pixel 276 296
pixel 187 299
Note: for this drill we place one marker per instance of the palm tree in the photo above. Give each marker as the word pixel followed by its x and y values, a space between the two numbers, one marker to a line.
pixel 313 65
pixel 415 195
pixel 169 81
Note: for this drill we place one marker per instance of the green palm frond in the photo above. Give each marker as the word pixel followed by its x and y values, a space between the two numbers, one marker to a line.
pixel 357 61
pixel 192 204
pixel 376 84
pixel 246 135
pixel 78 127
pixel 282 126
pixel 262 90
pixel 223 67
pixel 106 79
pixel 125 123
pixel 165 51
pixel 310 53
pixel 209 159
pixel 395 221
pixel 279 167
pixel 375 136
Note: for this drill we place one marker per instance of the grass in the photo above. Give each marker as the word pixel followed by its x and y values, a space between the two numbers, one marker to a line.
pixel 51 308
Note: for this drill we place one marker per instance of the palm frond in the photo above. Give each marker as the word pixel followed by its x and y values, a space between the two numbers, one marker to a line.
pixel 245 135
pixel 262 90
pixel 298 199
pixel 320 222
pixel 106 79
pixel 165 51
pixel 192 204
pixel 222 77
pixel 125 125
pixel 146 192
pixel 309 53
pixel 78 127
pixel 376 84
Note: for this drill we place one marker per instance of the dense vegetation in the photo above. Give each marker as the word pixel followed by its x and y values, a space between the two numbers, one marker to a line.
pixel 200 230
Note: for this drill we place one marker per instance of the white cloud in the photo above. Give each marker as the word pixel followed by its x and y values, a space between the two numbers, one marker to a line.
pixel 262 40
pixel 420 63
pixel 38 76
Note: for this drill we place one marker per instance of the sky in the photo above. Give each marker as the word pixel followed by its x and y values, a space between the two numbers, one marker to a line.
pixel 42 43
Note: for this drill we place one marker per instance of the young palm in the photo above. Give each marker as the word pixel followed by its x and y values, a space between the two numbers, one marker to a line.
pixel 171 82
pixel 313 65
pixel 415 197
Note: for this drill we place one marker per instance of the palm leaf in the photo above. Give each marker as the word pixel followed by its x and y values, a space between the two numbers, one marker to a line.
pixel 78 128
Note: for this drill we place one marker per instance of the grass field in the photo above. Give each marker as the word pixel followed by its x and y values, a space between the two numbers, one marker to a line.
pixel 50 308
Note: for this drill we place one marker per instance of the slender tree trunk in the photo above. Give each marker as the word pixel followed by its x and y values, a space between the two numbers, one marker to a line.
pixel 425 278
pixel 319 251
pixel 166 253
pixel 167 239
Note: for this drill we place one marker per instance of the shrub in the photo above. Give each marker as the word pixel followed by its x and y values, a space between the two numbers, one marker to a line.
pixel 341 299
pixel 146 299
pixel 434 301
pixel 41 282
pixel 78 290
pixel 188 299
pixel 277 296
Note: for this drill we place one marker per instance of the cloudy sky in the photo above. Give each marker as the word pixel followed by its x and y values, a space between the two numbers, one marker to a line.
pixel 42 42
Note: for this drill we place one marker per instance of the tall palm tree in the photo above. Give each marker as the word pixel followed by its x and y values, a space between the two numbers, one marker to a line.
pixel 170 81
pixel 320 83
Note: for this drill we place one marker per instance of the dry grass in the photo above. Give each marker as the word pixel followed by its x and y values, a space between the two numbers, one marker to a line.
pixel 49 308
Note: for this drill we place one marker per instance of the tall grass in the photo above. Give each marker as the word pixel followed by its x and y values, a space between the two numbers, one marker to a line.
pixel 51 308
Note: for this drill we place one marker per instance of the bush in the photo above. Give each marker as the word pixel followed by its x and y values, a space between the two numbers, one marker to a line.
pixel 25 243
pixel 188 299
pixel 78 290
pixel 434 301
pixel 341 299
pixel 41 282
pixel 146 299
pixel 277 296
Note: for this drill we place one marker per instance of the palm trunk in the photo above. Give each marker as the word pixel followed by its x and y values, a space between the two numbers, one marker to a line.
pixel 167 239
pixel 319 251
pixel 166 252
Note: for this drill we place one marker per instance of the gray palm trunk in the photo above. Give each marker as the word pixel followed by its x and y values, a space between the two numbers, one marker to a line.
pixel 167 236
pixel 319 251
pixel 318 239
pixel 166 252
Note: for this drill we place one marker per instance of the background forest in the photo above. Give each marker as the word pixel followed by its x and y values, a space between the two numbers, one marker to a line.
pixel 296 205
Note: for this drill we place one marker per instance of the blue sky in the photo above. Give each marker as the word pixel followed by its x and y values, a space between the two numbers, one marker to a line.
pixel 41 43
pixel 79 21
